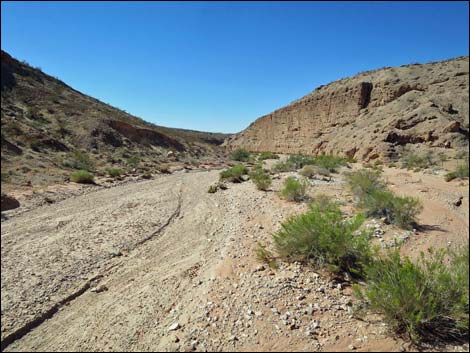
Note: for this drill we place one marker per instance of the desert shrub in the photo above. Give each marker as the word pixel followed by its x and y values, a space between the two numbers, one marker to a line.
pixel 423 298
pixel 294 190
pixel 373 196
pixel 212 189
pixel 240 155
pixel 298 160
pixel 267 155
pixel 324 236
pixel 281 167
pixel 329 162
pixel 264 255
pixel 364 181
pixel 460 172
pixel 114 172
pixel 401 211
pixel 133 161
pixel 5 176
pixel 83 177
pixel 234 174
pixel 78 160
pixel 308 171
pixel 323 201
pixel 415 161
pixel 261 178
pixel 163 168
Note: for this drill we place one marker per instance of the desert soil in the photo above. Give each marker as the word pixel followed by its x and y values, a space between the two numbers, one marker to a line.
pixel 164 265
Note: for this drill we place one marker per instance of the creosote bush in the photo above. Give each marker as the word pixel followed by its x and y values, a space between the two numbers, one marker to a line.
pixel 240 155
pixel 114 172
pixel 374 198
pixel 294 190
pixel 267 155
pixel 423 299
pixel 308 171
pixel 260 177
pixel 281 167
pixel 82 177
pixel 328 162
pixel 459 173
pixel 78 160
pixel 234 174
pixel 324 236
pixel 264 255
pixel 417 162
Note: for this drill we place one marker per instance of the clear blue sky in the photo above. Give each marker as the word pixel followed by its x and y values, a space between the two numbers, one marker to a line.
pixel 218 66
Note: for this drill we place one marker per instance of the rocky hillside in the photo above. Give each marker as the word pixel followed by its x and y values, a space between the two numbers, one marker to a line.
pixel 374 115
pixel 45 122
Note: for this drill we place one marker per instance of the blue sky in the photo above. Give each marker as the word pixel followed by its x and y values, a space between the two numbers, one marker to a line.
pixel 217 66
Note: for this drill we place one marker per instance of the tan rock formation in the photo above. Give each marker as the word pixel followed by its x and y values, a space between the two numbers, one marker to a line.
pixel 371 115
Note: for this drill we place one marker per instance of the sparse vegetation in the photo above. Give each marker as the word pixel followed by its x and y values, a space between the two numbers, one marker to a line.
pixel 377 201
pixel 324 236
pixel 294 190
pixel 114 172
pixel 260 177
pixel 281 167
pixel 78 160
pixel 307 171
pixel 328 162
pixel 459 173
pixel 264 255
pixel 267 155
pixel 427 298
pixel 234 174
pixel 417 162
pixel 133 161
pixel 212 189
pixel 240 155
pixel 82 177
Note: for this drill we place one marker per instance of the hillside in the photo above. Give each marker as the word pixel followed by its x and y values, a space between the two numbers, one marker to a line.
pixel 47 124
pixel 374 115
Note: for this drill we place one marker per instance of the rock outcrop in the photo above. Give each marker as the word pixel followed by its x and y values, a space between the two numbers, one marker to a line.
pixel 372 115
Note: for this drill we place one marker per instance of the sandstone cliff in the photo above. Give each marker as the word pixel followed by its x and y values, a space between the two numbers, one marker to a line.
pixel 372 115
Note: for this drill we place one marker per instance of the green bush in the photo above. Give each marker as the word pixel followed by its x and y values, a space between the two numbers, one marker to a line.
pixel 114 172
pixel 267 155
pixel 324 236
pixel 78 160
pixel 298 160
pixel 240 155
pixel 281 167
pixel 212 189
pixel 294 190
pixel 264 255
pixel 460 172
pixel 415 161
pixel 377 201
pixel 5 176
pixel 260 178
pixel 133 161
pixel 428 298
pixel 364 181
pixel 234 174
pixel 401 211
pixel 330 163
pixel 308 171
pixel 83 177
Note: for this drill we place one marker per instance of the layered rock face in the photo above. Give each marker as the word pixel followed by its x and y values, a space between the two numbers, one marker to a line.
pixel 372 115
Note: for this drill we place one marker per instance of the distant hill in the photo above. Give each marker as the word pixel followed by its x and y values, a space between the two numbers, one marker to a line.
pixel 379 114
pixel 46 124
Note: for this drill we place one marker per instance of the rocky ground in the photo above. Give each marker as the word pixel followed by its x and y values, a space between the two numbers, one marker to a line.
pixel 163 265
